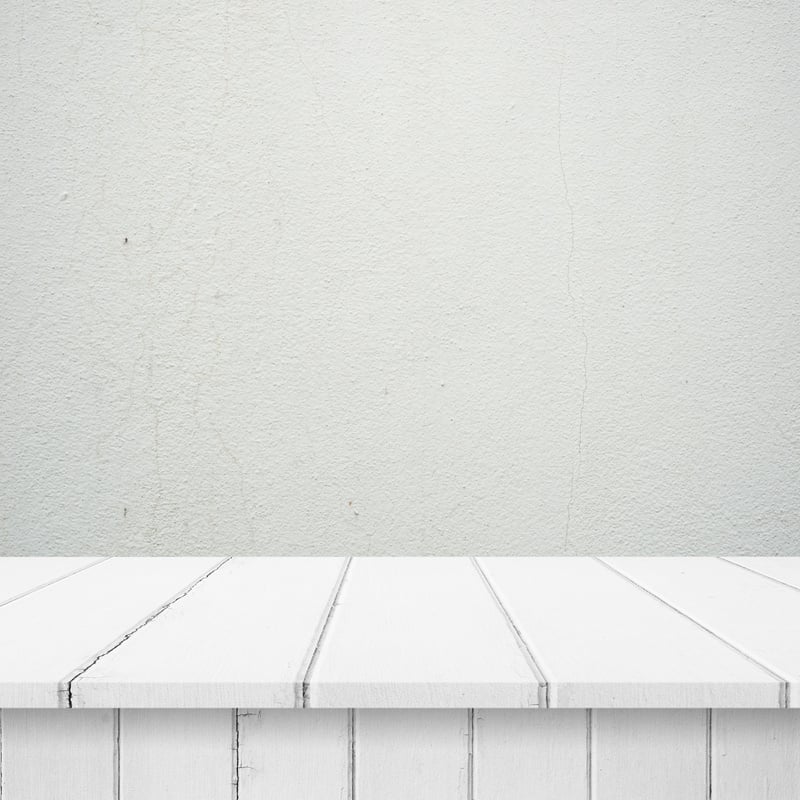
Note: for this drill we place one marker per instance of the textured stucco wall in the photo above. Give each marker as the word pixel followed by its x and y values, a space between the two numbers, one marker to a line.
pixel 414 277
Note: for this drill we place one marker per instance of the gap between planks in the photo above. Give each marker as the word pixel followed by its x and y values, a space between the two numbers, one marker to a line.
pixel 783 683
pixel 302 689
pixel 53 581
pixel 116 793
pixel 235 755
pixel 65 684
pixel 538 672
pixel 757 572
pixel 351 754
pixel 470 754
pixel 590 788
pixel 709 751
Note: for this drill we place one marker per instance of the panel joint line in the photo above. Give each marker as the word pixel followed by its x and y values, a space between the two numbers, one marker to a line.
pixel 783 683
pixel 351 759
pixel 65 684
pixel 303 683
pixel 544 685
pixel 759 573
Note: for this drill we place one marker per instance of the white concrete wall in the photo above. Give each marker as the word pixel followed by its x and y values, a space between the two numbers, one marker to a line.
pixel 378 277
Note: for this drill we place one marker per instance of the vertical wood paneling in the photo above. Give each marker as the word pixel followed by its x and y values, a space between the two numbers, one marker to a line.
pixel 293 755
pixel 170 754
pixel 419 754
pixel 755 754
pixel 58 754
pixel 534 754
pixel 657 755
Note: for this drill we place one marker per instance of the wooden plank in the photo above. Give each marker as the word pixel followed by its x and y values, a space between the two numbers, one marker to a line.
pixel 181 753
pixel 293 755
pixel 786 570
pixel 23 575
pixel 602 642
pixel 660 754
pixel 400 754
pixel 242 638
pixel 47 635
pixel 755 754
pixel 419 633
pixel 60 753
pixel 756 615
pixel 539 754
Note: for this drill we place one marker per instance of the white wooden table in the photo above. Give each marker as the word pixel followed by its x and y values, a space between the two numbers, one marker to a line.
pixel 412 678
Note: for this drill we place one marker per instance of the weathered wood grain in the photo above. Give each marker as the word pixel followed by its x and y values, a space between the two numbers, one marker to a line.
pixel 293 755
pixel 58 754
pixel 755 754
pixel 420 754
pixel 657 755
pixel 539 753
pixel 170 754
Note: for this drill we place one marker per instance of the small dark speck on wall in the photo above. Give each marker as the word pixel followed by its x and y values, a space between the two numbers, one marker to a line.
pixel 125 240
pixel 124 512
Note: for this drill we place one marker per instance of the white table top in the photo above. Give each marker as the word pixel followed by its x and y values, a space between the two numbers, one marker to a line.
pixel 400 632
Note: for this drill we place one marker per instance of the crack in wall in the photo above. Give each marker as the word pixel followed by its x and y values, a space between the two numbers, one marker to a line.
pixel 578 312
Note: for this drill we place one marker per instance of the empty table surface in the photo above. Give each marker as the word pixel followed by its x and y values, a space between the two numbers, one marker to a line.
pixel 400 632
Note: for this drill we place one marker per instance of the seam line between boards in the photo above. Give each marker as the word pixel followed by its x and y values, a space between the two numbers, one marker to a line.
pixel 235 755
pixel 538 672
pixel 783 684
pixel 709 751
pixel 727 560
pixel 65 684
pixel 589 754
pixel 54 581
pixel 470 754
pixel 302 689
pixel 351 761
pixel 117 754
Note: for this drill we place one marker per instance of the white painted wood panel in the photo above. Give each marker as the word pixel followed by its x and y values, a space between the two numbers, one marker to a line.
pixel 419 632
pixel 183 754
pixel 786 570
pixel 754 614
pixel 419 754
pixel 755 754
pixel 242 638
pixel 649 754
pixel 602 642
pixel 48 635
pixel 539 754
pixel 58 754
pixel 294 755
pixel 21 576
